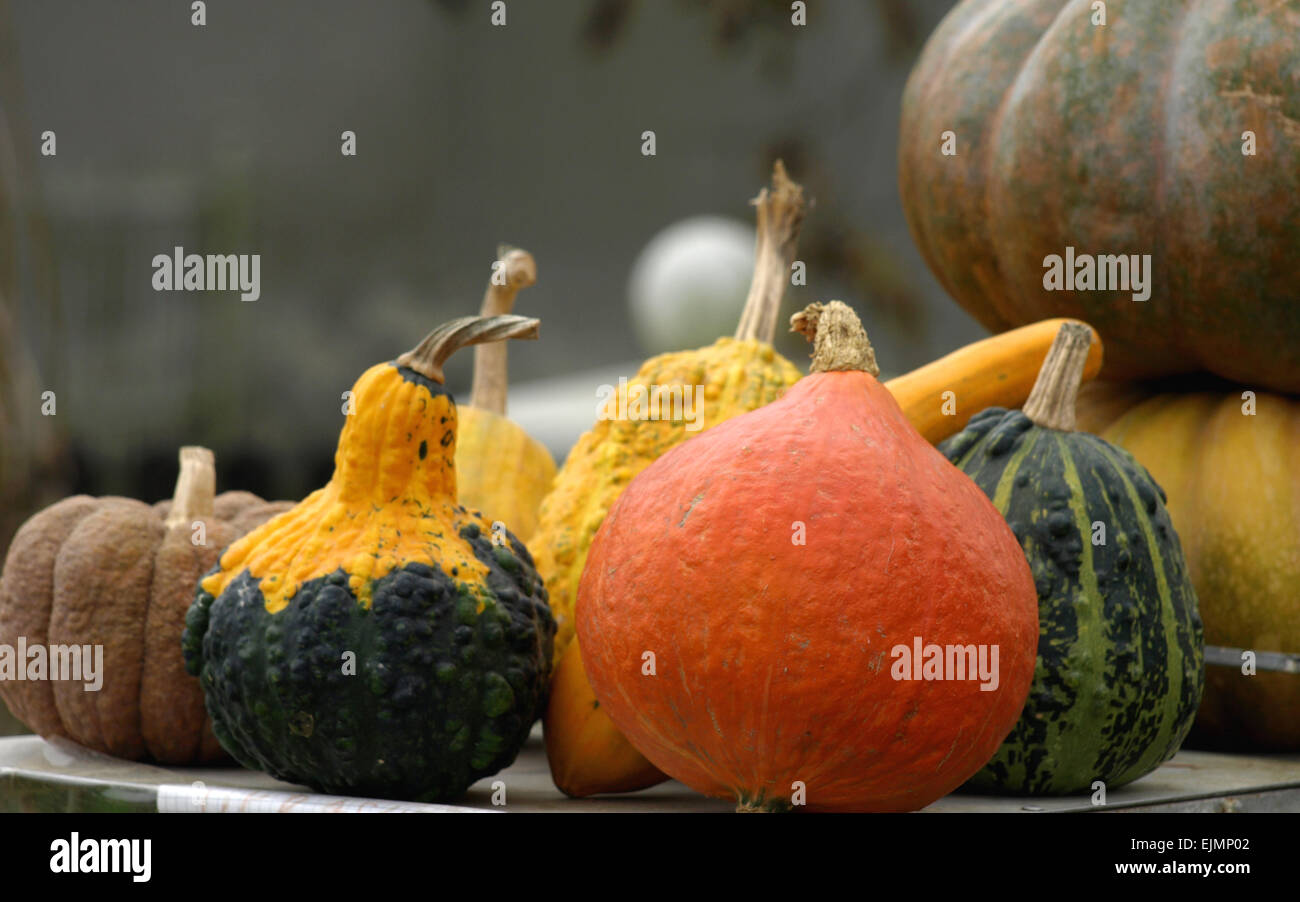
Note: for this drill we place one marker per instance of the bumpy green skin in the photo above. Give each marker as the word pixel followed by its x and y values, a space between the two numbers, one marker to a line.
pixel 1120 650
pixel 442 694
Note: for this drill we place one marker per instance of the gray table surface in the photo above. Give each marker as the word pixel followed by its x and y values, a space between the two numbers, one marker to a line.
pixel 1191 781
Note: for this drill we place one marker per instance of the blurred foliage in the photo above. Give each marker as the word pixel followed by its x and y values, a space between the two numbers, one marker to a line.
pixel 732 23
pixel 868 266
pixel 31 456
pixel 26 441
pixel 349 240
pixel 831 242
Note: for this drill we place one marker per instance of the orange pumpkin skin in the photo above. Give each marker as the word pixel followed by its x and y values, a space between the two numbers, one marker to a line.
pixel 772 659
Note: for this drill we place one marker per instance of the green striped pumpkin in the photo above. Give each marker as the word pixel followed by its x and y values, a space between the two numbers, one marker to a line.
pixel 1120 651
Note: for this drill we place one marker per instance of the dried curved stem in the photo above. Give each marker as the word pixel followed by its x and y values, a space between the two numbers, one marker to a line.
pixel 780 216
pixel 517 270
pixel 429 355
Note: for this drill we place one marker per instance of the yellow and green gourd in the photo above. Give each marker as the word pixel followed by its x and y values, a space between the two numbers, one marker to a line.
pixel 379 639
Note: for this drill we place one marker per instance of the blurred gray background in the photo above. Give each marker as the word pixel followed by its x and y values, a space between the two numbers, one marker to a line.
pixel 226 139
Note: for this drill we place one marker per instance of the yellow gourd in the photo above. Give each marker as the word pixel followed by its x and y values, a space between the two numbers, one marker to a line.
pixel 502 471
pixel 729 377
pixel 940 397
pixel 587 754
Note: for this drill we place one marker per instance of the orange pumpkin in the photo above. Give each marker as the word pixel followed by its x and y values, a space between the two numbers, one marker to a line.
pixel 586 752
pixel 751 605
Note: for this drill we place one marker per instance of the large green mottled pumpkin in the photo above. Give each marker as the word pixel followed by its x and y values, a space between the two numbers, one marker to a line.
pixel 1119 138
pixel 1120 666
pixel 379 639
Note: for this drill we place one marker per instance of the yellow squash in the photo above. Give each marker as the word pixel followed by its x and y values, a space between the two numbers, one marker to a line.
pixel 729 377
pixel 501 470
pixel 1234 497
pixel 587 753
pixel 940 397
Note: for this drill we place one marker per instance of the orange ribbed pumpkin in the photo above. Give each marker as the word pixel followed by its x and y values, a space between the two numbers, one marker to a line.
pixel 751 665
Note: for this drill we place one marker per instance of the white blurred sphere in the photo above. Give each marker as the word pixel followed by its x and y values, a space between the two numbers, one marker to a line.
pixel 689 284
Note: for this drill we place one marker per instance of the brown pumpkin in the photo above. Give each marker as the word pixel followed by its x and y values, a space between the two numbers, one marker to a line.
pixel 120 574
pixel 1123 138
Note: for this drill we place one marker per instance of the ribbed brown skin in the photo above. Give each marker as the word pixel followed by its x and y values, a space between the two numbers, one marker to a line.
pixel 106 571
pixel 1117 139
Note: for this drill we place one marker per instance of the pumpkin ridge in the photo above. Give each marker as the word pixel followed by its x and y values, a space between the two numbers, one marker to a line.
pixel 1173 325
pixel 1010 470
pixel 1173 731
pixel 158 745
pixel 101 718
pixel 38 709
pixel 1208 434
pixel 1133 750
pixel 1089 631
pixel 138 691
pixel 95 731
pixel 1002 303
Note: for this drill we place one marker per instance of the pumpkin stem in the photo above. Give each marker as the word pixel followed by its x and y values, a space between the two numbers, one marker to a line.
pixel 839 341
pixel 761 803
pixel 1051 403
pixel 515 269
pixel 428 356
pixel 196 487
pixel 780 215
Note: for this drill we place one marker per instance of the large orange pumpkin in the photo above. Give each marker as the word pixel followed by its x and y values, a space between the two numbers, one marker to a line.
pixel 750 606
pixel 588 755
pixel 1030 127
